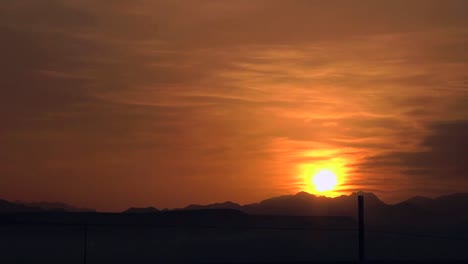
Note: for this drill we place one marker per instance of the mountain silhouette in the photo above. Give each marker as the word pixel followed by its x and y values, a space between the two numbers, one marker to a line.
pixel 21 207
pixel 55 206
pixel 421 211
pixel 301 204
pixel 417 211
pixel 10 207
pixel 452 204
pixel 290 223
pixel 225 205
pixel 143 210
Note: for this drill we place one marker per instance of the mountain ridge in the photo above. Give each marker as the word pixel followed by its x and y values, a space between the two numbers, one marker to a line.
pixel 18 207
pixel 412 210
pixel 417 210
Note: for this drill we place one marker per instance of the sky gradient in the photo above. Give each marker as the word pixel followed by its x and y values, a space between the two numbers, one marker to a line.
pixel 112 104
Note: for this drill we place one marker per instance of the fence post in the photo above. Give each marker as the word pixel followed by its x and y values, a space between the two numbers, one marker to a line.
pixel 361 227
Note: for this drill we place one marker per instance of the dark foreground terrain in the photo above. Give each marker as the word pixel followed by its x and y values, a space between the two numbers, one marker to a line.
pixel 216 236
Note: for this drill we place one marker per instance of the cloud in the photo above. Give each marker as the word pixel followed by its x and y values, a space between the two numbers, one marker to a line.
pixel 439 160
pixel 228 97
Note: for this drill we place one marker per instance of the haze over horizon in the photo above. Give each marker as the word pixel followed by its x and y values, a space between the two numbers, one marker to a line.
pixel 169 103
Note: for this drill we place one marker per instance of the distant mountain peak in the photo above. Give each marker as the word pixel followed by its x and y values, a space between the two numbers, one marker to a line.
pixel 223 205
pixel 306 195
pixel 57 206
pixel 142 210
pixel 302 193
pixel 18 206
pixel 229 203
pixel 369 197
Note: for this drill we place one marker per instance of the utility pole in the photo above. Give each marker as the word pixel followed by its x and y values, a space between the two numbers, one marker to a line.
pixel 361 227
pixel 85 242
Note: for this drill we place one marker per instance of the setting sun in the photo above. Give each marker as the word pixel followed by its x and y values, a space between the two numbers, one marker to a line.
pixel 325 177
pixel 324 180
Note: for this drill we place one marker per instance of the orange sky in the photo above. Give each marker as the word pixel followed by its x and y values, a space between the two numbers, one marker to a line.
pixel 167 103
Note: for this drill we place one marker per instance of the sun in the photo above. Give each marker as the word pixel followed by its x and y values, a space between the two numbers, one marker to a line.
pixel 324 180
pixel 324 177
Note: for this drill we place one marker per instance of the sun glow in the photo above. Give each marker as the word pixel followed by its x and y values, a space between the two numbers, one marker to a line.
pixel 324 180
pixel 326 177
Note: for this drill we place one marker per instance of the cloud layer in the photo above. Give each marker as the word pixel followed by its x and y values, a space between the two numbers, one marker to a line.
pixel 166 103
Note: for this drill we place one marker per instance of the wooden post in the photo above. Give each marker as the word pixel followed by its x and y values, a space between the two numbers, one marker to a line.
pixel 361 227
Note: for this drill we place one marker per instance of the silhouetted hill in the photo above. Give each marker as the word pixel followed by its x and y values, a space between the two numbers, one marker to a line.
pixel 145 210
pixel 452 204
pixel 20 207
pixel 225 205
pixel 9 207
pixel 418 201
pixel 419 211
pixel 302 203
pixel 50 206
